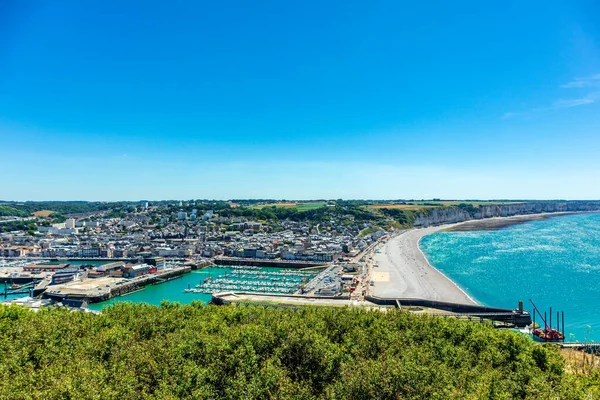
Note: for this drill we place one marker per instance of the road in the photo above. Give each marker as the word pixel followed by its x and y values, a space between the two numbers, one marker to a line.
pixel 16 219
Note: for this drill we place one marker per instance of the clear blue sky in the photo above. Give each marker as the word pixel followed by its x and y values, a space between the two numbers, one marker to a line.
pixel 108 100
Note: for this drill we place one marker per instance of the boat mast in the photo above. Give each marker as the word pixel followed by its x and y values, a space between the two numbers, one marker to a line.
pixel 541 316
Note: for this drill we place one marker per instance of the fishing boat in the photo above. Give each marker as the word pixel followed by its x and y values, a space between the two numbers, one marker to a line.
pixel 14 287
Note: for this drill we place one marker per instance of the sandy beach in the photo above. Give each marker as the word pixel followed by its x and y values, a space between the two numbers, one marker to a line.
pixel 403 271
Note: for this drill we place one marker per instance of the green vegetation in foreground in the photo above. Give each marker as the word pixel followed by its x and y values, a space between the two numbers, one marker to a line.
pixel 208 352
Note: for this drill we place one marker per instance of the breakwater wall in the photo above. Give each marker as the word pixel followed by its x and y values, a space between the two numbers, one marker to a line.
pixel 518 317
pixel 453 214
pixel 255 262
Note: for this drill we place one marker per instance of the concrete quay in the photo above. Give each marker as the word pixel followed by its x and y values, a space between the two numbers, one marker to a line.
pixel 225 298
pixel 104 288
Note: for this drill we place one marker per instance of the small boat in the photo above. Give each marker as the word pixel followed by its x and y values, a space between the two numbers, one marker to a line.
pixel 14 287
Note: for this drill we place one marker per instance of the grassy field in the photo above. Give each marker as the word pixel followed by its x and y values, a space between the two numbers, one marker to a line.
pixel 399 206
pixel 368 231
pixel 298 206
pixel 309 206
pixel 418 205
pixel 43 213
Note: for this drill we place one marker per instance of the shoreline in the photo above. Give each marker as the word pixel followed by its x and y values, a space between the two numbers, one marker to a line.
pixel 471 298
pixel 496 223
pixel 404 271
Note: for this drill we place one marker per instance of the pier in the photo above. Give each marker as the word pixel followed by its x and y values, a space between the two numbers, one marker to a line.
pixel 518 317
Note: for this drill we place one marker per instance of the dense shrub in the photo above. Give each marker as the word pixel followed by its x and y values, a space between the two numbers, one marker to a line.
pixel 195 351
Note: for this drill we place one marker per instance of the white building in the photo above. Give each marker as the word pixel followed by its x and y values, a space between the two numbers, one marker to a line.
pixel 70 223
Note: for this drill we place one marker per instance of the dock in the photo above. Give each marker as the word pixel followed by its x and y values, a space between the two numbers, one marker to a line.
pixel 104 288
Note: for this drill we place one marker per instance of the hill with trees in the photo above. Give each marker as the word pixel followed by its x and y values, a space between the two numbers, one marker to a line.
pixel 248 352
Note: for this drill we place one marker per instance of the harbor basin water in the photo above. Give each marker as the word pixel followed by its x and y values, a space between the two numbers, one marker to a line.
pixel 174 290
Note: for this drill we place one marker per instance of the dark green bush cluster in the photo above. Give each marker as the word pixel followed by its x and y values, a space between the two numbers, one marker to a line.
pixel 208 352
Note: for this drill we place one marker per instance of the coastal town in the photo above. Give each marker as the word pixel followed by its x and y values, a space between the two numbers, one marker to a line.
pixel 172 233
pixel 95 256
pixel 363 253
pixel 265 254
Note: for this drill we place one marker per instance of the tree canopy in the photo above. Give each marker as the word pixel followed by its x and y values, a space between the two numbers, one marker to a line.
pixel 249 352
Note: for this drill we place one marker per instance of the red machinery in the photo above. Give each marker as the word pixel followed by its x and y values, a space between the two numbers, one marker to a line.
pixel 548 334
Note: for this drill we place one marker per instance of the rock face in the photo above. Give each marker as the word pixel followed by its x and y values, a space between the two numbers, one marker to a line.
pixel 438 216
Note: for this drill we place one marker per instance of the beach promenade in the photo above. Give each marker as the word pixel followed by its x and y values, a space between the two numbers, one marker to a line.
pixel 403 271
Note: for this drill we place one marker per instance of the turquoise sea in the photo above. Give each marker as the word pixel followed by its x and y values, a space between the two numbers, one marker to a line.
pixel 554 262
pixel 174 290
pixel 171 291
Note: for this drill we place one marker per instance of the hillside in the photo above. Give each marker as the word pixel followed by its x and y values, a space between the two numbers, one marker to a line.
pixel 207 352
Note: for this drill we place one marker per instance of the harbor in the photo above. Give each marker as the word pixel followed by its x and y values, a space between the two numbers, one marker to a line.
pixel 253 279
pixel 104 288
pixel 98 283
pixel 200 285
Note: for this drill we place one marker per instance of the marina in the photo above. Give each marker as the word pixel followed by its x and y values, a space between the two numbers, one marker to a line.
pixel 213 279
pixel 253 279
